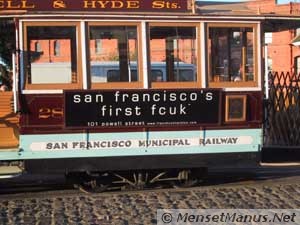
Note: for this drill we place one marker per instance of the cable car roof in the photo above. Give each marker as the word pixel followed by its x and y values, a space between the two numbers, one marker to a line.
pixel 202 10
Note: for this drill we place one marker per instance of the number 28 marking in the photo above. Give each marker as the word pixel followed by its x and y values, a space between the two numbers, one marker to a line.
pixel 46 113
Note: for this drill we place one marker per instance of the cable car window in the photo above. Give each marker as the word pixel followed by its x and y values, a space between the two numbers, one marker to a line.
pixel 157 75
pixel 184 74
pixel 51 53
pixel 114 75
pixel 175 49
pixel 119 50
pixel 231 54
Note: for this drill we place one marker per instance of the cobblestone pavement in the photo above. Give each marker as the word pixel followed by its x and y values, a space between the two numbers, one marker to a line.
pixel 140 207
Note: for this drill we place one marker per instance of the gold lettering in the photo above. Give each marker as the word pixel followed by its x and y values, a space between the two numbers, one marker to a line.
pixel 27 6
pixel 89 4
pixel 57 113
pixel 117 4
pixel 175 6
pixel 112 4
pixel 59 4
pixel 11 6
pixel 103 4
pixel 44 113
pixel 158 4
pixel 165 5
pixel 133 4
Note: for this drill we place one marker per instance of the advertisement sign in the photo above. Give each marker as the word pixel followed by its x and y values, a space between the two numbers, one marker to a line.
pixel 142 108
pixel 95 5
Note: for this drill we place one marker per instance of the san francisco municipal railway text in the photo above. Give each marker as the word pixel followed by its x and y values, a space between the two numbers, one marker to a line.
pixel 88 144
pixel 143 143
pixel 116 144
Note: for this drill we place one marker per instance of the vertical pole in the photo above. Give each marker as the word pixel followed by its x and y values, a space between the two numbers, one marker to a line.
pixel 16 67
pixel 84 56
pixel 144 40
pixel 244 54
pixel 203 71
pixel 21 55
pixel 15 82
pixel 123 55
pixel 266 72
pixel 170 59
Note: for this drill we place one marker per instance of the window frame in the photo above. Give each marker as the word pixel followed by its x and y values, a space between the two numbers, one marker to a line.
pixel 229 84
pixel 243 99
pixel 178 84
pixel 117 85
pixel 55 86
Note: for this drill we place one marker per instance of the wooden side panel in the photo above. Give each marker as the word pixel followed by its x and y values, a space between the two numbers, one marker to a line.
pixel 45 114
pixel 9 122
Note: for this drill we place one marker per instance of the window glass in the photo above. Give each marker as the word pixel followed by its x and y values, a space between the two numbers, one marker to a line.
pixel 98 46
pixel 37 47
pixel 56 48
pixel 173 49
pixel 184 74
pixel 115 56
pixel 270 64
pixel 231 54
pixel 114 75
pixel 156 75
pixel 51 55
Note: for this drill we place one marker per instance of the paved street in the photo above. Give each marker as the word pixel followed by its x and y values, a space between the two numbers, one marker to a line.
pixel 139 207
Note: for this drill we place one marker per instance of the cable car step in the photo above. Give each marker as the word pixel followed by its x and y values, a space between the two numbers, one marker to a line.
pixel 281 155
pixel 280 164
pixel 10 171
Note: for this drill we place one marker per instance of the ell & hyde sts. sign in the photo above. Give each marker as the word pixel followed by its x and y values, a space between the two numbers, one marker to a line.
pixel 95 5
